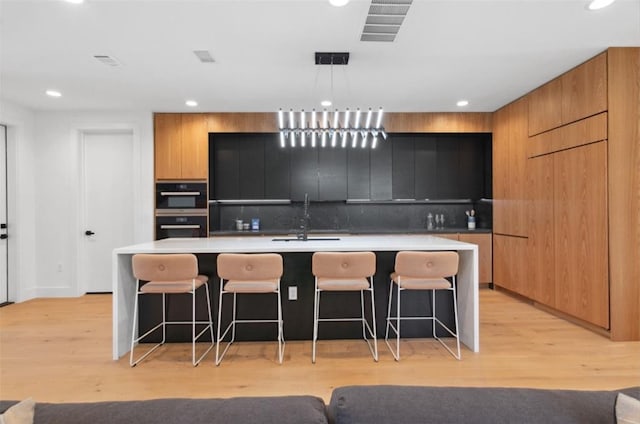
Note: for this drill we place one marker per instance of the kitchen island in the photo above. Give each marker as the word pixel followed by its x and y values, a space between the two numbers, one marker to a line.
pixel 124 282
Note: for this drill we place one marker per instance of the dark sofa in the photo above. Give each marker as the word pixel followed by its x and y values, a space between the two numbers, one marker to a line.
pixel 354 405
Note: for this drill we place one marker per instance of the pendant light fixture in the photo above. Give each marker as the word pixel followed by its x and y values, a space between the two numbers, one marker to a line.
pixel 326 128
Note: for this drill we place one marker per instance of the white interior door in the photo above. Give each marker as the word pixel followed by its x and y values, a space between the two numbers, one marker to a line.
pixel 4 251
pixel 107 203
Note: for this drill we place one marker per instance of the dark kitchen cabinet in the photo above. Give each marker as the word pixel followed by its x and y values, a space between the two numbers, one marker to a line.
pixel 358 174
pixel 304 173
pixel 225 170
pixel 426 183
pixel 277 170
pixel 381 163
pixel 332 174
pixel 252 168
pixel 405 166
pixel 402 179
pixel 447 170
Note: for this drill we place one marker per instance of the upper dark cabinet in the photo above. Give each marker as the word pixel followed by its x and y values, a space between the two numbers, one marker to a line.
pixel 405 166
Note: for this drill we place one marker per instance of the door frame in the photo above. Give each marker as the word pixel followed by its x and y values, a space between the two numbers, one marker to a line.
pixel 79 135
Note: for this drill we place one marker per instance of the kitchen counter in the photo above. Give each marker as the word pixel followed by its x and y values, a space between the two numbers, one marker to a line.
pixel 124 281
pixel 349 232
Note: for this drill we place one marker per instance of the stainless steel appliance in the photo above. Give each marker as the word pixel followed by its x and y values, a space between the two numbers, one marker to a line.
pixel 181 209
pixel 181 197
pixel 171 226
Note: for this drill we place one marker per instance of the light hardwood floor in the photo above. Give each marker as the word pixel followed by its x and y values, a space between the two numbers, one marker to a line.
pixel 59 350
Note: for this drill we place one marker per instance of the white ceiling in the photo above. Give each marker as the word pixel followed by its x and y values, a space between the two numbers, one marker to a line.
pixel 489 52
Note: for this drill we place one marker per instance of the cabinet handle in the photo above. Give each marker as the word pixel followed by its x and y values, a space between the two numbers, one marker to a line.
pixel 179 227
pixel 179 193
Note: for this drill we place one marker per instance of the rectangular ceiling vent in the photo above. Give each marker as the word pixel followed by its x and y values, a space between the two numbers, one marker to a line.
pixel 108 60
pixel 204 56
pixel 384 20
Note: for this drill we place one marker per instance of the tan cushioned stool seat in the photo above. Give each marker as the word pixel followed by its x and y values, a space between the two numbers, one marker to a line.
pixel 413 283
pixel 182 286
pixel 343 284
pixel 257 286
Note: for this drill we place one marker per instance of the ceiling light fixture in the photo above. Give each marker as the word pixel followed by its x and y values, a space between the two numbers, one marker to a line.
pixel 338 3
pixel 356 128
pixel 75 1
pixel 53 93
pixel 462 103
pixel 599 4
pixel 191 103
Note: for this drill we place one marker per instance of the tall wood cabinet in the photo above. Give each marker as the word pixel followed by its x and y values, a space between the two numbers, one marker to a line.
pixel 582 185
pixel 181 146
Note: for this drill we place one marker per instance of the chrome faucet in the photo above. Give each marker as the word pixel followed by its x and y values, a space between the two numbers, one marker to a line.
pixel 304 222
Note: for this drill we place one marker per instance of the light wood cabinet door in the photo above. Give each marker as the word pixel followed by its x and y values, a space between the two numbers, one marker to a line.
pixel 540 244
pixel 545 107
pixel 580 233
pixel 509 263
pixel 181 143
pixel 584 90
pixel 168 145
pixel 485 259
pixel 195 147
pixel 509 169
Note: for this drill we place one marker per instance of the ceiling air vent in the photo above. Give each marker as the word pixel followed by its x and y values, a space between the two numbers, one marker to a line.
pixel 384 20
pixel 108 60
pixel 204 56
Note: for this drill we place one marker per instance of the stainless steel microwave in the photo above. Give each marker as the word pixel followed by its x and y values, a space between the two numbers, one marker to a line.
pixel 181 197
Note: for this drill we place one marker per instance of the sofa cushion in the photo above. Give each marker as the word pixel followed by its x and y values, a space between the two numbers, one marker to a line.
pixel 20 413
pixel 627 409
pixel 410 405
pixel 281 410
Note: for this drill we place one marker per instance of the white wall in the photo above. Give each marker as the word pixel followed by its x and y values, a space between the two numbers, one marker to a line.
pixel 21 200
pixel 44 190
pixel 57 162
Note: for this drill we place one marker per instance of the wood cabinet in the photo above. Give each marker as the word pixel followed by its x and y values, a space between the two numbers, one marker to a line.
pixel 540 226
pixel 181 146
pixel 509 169
pixel 584 90
pixel 580 233
pixel 575 95
pixel 545 107
pixel 623 153
pixel 485 251
pixel 509 263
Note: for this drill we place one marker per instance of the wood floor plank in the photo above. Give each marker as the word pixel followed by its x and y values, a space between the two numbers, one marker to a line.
pixel 59 350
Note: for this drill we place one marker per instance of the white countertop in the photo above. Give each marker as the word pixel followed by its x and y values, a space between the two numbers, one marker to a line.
pixel 393 242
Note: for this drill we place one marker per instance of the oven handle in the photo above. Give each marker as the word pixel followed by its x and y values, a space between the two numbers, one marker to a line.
pixel 179 227
pixel 179 193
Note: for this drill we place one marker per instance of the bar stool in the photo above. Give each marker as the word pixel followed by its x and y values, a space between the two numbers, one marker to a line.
pixel 345 272
pixel 247 274
pixel 423 271
pixel 169 274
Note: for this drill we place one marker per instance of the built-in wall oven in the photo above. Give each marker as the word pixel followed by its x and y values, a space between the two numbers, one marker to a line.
pixel 171 226
pixel 181 197
pixel 181 209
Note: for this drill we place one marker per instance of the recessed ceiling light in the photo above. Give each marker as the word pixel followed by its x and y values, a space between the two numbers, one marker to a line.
pixel 326 103
pixel 75 1
pixel 599 4
pixel 53 93
pixel 462 103
pixel 191 103
pixel 338 3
